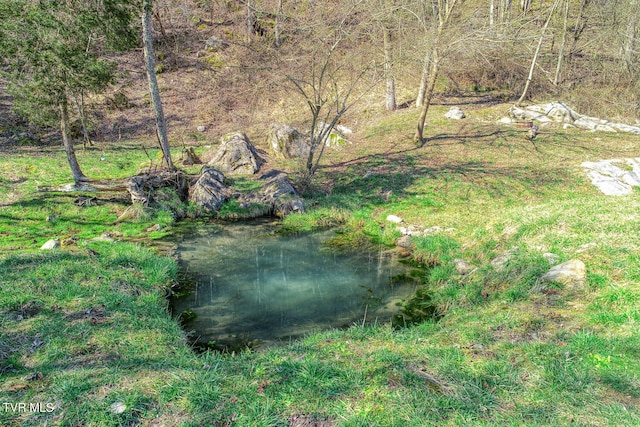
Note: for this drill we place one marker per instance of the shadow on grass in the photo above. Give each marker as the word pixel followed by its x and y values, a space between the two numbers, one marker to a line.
pixel 375 178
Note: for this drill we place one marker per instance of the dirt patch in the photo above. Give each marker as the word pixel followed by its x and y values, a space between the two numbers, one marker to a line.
pixel 25 311
pixel 300 420
pixel 96 315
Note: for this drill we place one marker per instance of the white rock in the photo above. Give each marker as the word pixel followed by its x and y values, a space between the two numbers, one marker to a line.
pixel 405 242
pixel 201 128
pixel 593 124
pixel 118 407
pixel 551 258
pixel 343 130
pixel 394 218
pixel 432 230
pixel 462 266
pixel 51 244
pixel 105 237
pixel 455 113
pixel 625 128
pixel 527 114
pixel 571 273
pixel 506 121
pixel 501 261
pixel 612 179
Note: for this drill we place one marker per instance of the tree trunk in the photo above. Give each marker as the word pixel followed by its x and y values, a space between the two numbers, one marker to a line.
pixel 630 42
pixel 423 81
pixel 492 12
pixel 277 41
pixel 388 69
pixel 428 95
pixel 556 78
pixel 504 10
pixel 251 21
pixel 445 10
pixel 149 56
pixel 80 109
pixel 535 55
pixel 78 176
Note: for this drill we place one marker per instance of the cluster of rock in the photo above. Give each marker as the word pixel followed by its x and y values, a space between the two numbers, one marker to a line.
pixel 571 274
pixel 415 230
pixel 614 177
pixel 237 156
pixel 287 142
pixel 558 112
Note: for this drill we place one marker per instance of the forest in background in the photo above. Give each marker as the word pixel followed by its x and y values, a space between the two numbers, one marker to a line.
pixel 241 65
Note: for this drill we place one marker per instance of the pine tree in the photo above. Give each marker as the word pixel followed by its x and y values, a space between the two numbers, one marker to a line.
pixel 53 49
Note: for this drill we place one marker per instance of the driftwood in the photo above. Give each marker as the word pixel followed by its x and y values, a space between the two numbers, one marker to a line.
pixel 140 187
pixel 90 187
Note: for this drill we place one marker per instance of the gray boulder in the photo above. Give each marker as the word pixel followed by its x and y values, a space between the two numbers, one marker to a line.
pixel 500 262
pixel 281 194
pixel 572 274
pixel 209 190
pixel 277 196
pixel 236 156
pixel 287 143
pixel 462 267
pixel 406 242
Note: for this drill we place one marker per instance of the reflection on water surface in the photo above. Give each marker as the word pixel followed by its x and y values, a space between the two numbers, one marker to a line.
pixel 252 284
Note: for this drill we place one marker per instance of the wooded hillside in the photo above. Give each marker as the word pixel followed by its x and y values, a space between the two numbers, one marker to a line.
pixel 230 65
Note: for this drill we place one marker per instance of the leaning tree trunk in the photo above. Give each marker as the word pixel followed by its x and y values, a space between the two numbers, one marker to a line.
pixel 78 176
pixel 535 55
pixel 424 80
pixel 428 94
pixel 161 124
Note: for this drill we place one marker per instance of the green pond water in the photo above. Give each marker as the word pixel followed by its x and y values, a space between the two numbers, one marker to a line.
pixel 255 286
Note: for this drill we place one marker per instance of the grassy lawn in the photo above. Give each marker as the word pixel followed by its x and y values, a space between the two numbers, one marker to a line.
pixel 86 328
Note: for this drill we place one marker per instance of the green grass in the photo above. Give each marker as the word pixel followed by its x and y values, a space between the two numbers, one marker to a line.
pixel 92 318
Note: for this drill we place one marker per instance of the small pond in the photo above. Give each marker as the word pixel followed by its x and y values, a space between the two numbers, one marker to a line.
pixel 253 286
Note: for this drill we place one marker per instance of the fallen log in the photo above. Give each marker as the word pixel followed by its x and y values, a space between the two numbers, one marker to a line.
pixel 140 187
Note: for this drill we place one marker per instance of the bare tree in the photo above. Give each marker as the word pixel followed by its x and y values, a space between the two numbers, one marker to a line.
pixel 534 60
pixel 445 10
pixel 149 56
pixel 556 78
pixel 332 75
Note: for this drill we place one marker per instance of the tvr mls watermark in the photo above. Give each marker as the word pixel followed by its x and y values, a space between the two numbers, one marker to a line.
pixel 24 407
